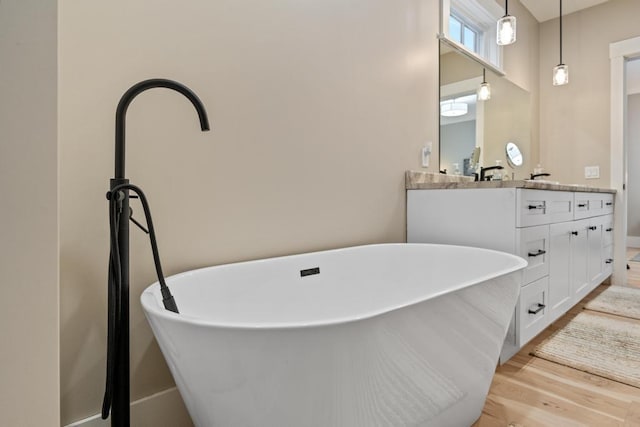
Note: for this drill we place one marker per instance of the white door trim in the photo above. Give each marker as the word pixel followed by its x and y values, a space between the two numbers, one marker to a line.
pixel 619 53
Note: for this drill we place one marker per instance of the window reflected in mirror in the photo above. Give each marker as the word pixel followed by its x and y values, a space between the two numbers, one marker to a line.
pixel 471 24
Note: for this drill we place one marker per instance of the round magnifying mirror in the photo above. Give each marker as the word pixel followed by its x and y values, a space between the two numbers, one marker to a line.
pixel 514 156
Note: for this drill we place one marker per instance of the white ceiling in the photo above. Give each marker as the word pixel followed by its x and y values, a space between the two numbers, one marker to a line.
pixel 543 10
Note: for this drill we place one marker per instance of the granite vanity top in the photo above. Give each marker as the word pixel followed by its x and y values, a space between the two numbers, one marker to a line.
pixel 418 180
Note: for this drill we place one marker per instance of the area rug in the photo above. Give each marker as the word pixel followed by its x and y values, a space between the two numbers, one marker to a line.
pixel 597 344
pixel 618 300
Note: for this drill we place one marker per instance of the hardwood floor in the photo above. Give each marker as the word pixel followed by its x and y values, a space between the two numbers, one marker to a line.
pixel 528 391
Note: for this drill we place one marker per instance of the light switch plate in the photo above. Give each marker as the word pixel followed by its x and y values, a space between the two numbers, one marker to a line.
pixel 592 172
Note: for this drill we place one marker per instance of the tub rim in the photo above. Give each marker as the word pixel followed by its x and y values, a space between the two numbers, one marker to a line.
pixel 150 304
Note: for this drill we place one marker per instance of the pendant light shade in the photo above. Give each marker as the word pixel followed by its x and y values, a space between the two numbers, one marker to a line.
pixel 484 91
pixel 560 75
pixel 506 31
pixel 560 71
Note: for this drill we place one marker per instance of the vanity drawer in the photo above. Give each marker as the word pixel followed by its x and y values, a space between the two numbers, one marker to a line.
pixel 532 308
pixel 538 207
pixel 533 245
pixel 608 203
pixel 593 204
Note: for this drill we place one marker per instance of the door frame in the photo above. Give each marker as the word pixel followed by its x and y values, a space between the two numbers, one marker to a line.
pixel 619 53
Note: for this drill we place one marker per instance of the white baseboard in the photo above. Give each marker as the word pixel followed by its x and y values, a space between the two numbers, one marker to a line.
pixel 161 409
pixel 633 241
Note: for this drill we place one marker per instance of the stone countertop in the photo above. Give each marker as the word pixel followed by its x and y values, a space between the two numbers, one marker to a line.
pixel 417 180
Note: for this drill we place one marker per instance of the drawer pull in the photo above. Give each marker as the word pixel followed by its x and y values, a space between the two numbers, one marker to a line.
pixel 537 310
pixel 608 261
pixel 609 229
pixel 582 205
pixel 540 252
pixel 531 207
pixel 593 228
pixel 574 233
pixel 609 203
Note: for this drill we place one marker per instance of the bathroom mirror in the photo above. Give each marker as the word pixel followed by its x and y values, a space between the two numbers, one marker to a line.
pixel 490 124
pixel 514 155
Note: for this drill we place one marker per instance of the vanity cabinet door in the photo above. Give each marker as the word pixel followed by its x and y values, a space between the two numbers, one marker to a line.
pixel 595 256
pixel 607 245
pixel 579 253
pixel 608 230
pixel 561 237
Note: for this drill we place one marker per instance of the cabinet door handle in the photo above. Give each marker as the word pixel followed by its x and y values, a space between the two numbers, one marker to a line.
pixel 609 229
pixel 608 261
pixel 593 228
pixel 574 233
pixel 540 252
pixel 609 203
pixel 531 207
pixel 538 309
pixel 582 205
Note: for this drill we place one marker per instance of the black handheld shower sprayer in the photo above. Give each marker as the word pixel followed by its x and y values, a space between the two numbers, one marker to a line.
pixel 117 396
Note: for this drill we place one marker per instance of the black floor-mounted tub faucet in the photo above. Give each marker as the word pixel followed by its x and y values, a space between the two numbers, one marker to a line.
pixel 117 390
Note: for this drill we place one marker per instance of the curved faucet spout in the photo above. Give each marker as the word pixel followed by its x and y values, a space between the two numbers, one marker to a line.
pixel 134 91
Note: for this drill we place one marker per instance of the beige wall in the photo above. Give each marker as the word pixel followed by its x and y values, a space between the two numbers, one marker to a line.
pixel 575 120
pixel 317 109
pixel 29 333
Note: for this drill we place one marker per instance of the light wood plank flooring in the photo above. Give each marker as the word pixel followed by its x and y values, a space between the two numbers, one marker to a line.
pixel 528 391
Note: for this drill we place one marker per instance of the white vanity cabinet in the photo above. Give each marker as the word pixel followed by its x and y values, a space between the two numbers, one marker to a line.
pixel 566 237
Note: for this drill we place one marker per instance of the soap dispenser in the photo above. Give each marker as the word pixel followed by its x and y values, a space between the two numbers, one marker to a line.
pixel 497 174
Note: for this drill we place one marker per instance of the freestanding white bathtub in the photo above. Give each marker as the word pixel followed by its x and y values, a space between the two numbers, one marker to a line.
pixel 379 335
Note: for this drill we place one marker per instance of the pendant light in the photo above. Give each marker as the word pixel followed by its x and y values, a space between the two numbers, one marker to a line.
pixel 484 91
pixel 560 71
pixel 506 27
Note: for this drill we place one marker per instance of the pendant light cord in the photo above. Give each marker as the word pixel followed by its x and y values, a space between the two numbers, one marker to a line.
pixel 560 32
